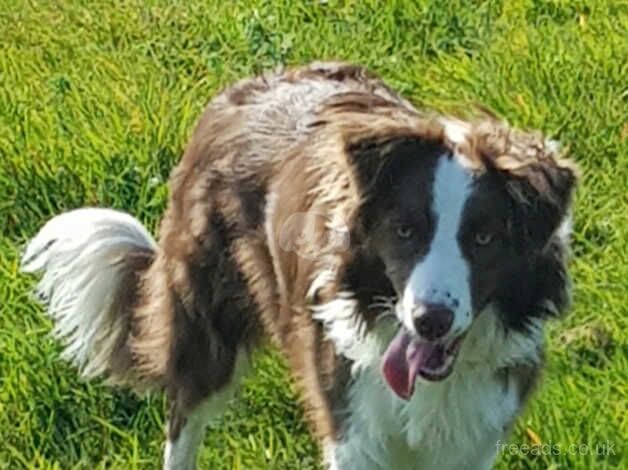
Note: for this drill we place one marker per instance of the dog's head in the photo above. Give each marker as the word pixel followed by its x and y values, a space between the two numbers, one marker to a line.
pixel 445 219
pixel 459 224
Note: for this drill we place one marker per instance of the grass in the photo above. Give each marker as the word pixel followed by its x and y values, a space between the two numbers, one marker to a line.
pixel 98 98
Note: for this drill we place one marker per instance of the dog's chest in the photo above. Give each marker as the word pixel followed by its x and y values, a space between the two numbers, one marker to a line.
pixel 444 425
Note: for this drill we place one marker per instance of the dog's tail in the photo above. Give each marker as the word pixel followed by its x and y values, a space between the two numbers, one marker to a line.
pixel 91 262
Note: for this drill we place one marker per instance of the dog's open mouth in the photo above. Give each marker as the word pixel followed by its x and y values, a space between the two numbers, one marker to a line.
pixel 408 357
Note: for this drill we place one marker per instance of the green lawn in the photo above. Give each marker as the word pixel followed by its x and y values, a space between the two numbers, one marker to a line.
pixel 98 98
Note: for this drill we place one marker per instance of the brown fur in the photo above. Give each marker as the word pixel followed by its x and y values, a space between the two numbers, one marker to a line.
pixel 221 279
pixel 200 253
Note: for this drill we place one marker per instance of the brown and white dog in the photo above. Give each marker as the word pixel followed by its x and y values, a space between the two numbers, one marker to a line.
pixel 404 263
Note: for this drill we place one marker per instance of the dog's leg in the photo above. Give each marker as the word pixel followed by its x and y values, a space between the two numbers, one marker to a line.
pixel 185 433
pixel 185 429
pixel 329 455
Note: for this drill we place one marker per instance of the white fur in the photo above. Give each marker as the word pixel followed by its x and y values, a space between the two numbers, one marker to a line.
pixel 180 454
pixel 455 131
pixel 329 455
pixel 81 253
pixel 446 425
pixel 553 146
pixel 442 276
pixel 346 330
pixel 564 230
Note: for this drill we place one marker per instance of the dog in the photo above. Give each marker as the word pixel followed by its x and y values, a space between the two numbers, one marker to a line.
pixel 403 261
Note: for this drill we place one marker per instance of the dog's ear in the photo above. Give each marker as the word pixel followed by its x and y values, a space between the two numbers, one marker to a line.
pixel 538 179
pixel 541 190
pixel 377 160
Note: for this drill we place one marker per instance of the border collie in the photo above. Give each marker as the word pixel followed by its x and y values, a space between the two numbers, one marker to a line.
pixel 404 263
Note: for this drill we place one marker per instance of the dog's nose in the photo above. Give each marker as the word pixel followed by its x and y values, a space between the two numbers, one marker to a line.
pixel 433 321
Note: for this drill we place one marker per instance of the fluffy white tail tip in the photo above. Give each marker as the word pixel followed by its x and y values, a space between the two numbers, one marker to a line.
pixel 82 255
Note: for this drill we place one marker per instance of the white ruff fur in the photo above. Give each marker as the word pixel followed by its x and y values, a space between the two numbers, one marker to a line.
pixel 81 253
pixel 445 425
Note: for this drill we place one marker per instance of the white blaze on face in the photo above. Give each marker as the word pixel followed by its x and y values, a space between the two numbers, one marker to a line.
pixel 442 276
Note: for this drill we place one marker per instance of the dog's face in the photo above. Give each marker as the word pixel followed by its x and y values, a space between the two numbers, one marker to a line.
pixel 453 240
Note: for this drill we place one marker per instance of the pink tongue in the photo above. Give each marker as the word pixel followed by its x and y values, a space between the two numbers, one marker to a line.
pixel 405 358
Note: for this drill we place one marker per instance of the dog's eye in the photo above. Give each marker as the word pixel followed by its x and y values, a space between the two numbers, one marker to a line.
pixel 483 238
pixel 404 231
